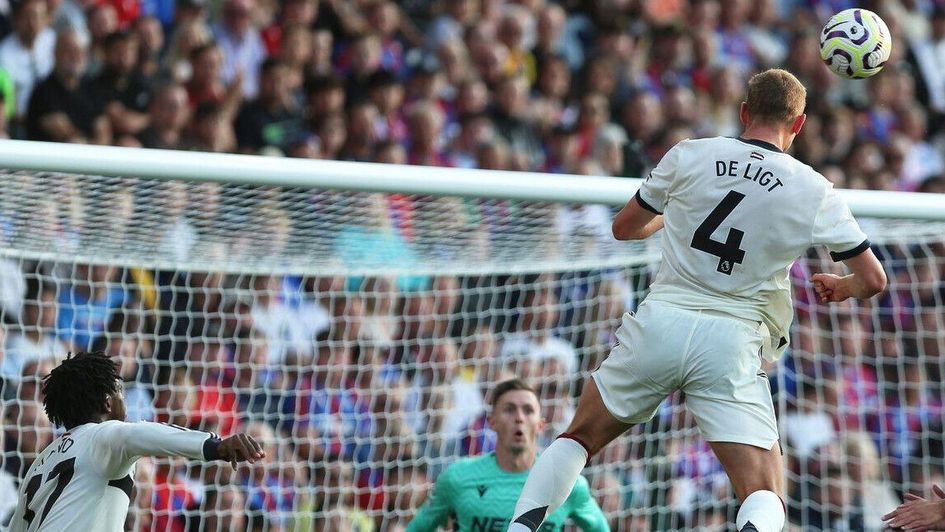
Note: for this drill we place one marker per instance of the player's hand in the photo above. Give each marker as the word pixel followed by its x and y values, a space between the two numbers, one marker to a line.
pixel 830 288
pixel 919 514
pixel 240 448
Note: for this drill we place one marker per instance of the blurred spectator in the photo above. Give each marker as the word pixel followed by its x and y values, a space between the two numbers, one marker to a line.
pixel 331 129
pixel 905 413
pixel 242 45
pixel 472 98
pixel 363 126
pixel 534 339
pixel 376 240
pixel 120 341
pixel 179 235
pixel 173 495
pixel 440 366
pixel 387 94
pixel 324 95
pixel 178 58
pixel 210 130
pixel 269 490
pixel 609 149
pixel 928 54
pixel 866 472
pixel 459 16
pixel 187 11
pixel 217 404
pixel 322 47
pixel 65 107
pixel 28 53
pixel 223 508
pixel 87 302
pixel 206 83
pixel 335 480
pixel 293 13
pixel 27 433
pixel 12 285
pixel 362 59
pixel 8 488
pixel 735 46
pixel 922 159
pixel 515 28
pixel 835 504
pixel 642 117
pixel 550 34
pixel 810 427
pixel 608 491
pixel 34 338
pixel 476 130
pixel 510 118
pixel 271 119
pixel 168 114
pixel 384 16
pixel 71 14
pixel 103 21
pixel 123 91
pixel 454 59
pixel 150 45
pixel 282 325
pixel 176 399
pixel 296 52
pixel 251 376
pixel 380 296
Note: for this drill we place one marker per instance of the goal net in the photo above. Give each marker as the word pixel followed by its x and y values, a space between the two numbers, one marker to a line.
pixel 357 335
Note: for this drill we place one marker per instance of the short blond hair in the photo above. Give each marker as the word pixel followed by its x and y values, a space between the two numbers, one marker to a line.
pixel 776 96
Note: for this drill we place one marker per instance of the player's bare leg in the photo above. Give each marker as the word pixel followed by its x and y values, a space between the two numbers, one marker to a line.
pixel 757 477
pixel 553 476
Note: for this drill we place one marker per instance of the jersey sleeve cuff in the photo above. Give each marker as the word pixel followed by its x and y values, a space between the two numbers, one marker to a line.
pixel 211 448
pixel 644 204
pixel 849 254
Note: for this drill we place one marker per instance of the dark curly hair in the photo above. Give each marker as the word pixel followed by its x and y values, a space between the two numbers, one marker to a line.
pixel 74 392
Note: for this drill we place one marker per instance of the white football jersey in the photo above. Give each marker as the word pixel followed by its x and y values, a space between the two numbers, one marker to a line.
pixel 737 214
pixel 82 481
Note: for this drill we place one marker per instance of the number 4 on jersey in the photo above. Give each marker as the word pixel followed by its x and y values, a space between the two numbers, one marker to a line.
pixel 728 252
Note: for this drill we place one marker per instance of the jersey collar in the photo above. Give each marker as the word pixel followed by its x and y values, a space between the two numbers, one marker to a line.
pixel 760 144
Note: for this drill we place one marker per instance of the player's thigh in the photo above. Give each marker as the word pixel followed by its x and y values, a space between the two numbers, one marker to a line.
pixel 751 468
pixel 593 424
pixel 727 391
pixel 640 371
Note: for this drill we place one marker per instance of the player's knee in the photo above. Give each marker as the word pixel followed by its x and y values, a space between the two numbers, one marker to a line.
pixel 583 437
pixel 745 490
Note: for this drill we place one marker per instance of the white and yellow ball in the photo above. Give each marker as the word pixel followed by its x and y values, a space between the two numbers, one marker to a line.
pixel 855 43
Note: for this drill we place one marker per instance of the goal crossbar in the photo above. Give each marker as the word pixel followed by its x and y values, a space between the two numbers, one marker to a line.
pixel 373 177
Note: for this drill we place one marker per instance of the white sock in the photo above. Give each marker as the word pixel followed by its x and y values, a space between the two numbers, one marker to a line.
pixel 763 509
pixel 549 483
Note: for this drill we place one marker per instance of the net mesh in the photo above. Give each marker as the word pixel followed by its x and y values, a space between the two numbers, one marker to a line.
pixel 357 336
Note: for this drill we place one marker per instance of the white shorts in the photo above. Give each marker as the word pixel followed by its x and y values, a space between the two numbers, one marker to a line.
pixel 715 359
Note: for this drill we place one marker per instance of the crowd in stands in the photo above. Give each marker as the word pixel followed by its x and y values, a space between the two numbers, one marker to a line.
pixel 364 388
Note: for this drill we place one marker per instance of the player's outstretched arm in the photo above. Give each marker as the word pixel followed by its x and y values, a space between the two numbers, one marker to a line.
pixel 124 442
pixel 240 448
pixel 866 280
pixel 635 222
pixel 919 514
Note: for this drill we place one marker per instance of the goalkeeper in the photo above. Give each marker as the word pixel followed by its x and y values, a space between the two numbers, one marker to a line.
pixel 480 492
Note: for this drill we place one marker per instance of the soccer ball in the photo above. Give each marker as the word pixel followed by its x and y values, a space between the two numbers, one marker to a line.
pixel 855 43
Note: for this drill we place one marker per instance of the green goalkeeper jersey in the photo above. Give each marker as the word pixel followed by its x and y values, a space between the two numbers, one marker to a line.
pixel 480 497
